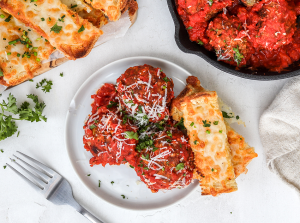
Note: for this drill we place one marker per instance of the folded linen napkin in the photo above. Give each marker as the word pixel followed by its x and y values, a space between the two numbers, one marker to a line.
pixel 280 133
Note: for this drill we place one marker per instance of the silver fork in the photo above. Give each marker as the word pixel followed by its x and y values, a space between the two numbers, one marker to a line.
pixel 52 185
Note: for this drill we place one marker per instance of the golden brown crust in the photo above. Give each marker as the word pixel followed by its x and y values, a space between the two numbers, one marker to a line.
pixel 73 50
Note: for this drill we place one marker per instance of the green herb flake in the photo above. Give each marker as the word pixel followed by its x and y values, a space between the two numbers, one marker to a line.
pixel 179 166
pixel 18 133
pixel 123 196
pixel 207 131
pixel 220 131
pixel 164 87
pixel 131 135
pixel 81 29
pixel 210 2
pixel 92 126
pixel 205 123
pixel 237 56
pixel 61 74
pixel 4 167
pixel 131 166
pixel 73 6
pixel 2 16
pixel 56 28
pixel 8 18
pixel 225 115
pixel 188 28
pixel 99 184
pixel 112 183
pixel 1 150
pixel 43 19
pixel 192 124
pixel 200 42
pixel 166 79
pixel 163 169
pixel 89 175
pixel 195 142
pixel 112 104
pixel 237 117
pixel 216 122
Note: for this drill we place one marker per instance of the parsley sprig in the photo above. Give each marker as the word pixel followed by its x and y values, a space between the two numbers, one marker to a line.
pixel 45 85
pixel 8 125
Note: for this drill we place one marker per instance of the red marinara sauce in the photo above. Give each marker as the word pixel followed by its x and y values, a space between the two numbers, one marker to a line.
pixel 107 137
pixel 166 160
pixel 145 92
pixel 262 34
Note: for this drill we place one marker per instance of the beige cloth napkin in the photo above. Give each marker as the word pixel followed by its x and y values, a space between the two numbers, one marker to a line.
pixel 280 134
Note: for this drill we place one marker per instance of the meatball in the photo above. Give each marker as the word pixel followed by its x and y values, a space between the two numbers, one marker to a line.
pixel 110 140
pixel 229 38
pixel 165 159
pixel 145 92
pixel 272 24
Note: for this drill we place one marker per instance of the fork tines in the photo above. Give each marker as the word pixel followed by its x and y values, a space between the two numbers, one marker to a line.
pixel 37 176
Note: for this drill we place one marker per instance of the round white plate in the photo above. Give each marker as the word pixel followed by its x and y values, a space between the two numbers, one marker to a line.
pixel 126 182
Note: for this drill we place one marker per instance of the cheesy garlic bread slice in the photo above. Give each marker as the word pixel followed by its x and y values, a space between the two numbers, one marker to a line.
pixel 241 152
pixel 111 8
pixel 21 51
pixel 63 28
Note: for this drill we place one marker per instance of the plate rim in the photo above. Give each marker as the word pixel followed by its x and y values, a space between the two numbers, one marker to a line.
pixel 67 147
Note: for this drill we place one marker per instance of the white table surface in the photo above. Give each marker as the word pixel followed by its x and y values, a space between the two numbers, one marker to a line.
pixel 261 197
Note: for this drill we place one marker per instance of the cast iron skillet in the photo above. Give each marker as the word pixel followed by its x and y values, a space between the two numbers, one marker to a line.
pixel 184 43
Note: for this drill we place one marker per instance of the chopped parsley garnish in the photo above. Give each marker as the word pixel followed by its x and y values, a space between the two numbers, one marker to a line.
pixel 164 87
pixel 180 166
pixel 18 134
pixel 210 2
pixel 192 124
pixel 169 134
pixel 237 117
pixel 180 124
pixel 43 19
pixel 13 42
pixel 225 115
pixel 220 131
pixel 200 42
pixel 81 29
pixel 2 151
pixel 61 74
pixel 169 140
pixel 4 167
pixel 146 157
pixel 123 196
pixel 163 169
pixel 189 27
pixel 184 174
pixel 89 175
pixel 195 142
pixel 212 170
pixel 45 85
pixel 1 73
pixel 237 56
pixel 166 79
pixel 73 6
pixel 56 28
pixel 112 104
pixel 92 127
pixel 8 126
pixel 8 18
pixel 205 123
pixel 99 185
pixel 131 166
pixel 112 183
pixel 216 122
pixel 131 135
pixel 207 131
pixel 30 80
pixel 62 18
pixel 2 16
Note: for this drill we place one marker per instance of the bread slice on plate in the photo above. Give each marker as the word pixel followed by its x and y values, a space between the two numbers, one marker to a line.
pixel 63 28
pixel 221 154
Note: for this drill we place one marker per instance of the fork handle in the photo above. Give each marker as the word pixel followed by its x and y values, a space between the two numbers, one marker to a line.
pixel 89 215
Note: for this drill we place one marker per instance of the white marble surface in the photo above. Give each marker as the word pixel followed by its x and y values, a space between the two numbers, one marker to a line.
pixel 261 197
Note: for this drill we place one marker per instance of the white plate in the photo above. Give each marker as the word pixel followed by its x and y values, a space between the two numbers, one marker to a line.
pixel 126 182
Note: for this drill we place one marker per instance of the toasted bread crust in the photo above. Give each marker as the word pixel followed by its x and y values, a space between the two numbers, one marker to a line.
pixel 72 51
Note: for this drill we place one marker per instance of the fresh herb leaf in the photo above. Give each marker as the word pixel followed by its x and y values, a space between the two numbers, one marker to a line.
pixel 4 167
pixel 207 131
pixel 205 123
pixel 200 42
pixel 112 104
pixel 188 28
pixel 192 124
pixel 237 56
pixel 131 166
pixel 180 166
pixel 123 196
pixel 210 2
pixel 195 142
pixel 56 28
pixel 180 124
pixel 26 113
pixel 225 115
pixel 81 29
pixel 2 151
pixel 166 79
pixel 92 127
pixel 89 175
pixel 61 74
pixel 131 135
pixel 112 183
pixel 73 6
pixel 8 18
pixel 99 184
pixel 237 117
pixel 62 18
pixel 216 122
pixel 220 131
pixel 45 85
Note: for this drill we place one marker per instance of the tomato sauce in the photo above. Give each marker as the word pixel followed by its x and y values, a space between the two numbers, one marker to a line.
pixel 109 139
pixel 253 33
pixel 167 162
pixel 146 93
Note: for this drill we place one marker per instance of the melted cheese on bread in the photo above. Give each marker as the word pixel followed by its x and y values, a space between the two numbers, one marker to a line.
pixel 209 143
pixel 21 50
pixel 63 28
pixel 111 8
